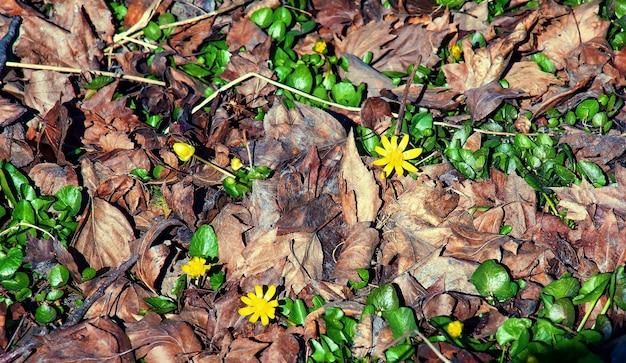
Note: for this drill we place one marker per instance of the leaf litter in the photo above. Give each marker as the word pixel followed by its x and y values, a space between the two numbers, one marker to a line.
pixel 325 212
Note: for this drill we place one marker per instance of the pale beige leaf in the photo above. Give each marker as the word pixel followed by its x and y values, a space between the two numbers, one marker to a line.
pixel 356 252
pixel 527 76
pixel 359 185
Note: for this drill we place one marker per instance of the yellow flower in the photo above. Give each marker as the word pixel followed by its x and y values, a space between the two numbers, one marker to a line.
pixel 259 305
pixel 235 164
pixel 320 46
pixel 455 329
pixel 455 52
pixel 394 156
pixel 183 150
pixel 196 267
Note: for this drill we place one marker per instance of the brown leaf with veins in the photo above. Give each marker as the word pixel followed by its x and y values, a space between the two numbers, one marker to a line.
pixel 356 252
pixel 230 225
pixel 359 192
pixel 157 340
pixel 566 33
pixel 105 237
pixel 335 14
pixel 368 38
pixel 607 245
pixel 528 77
pixel 412 42
pixel 485 65
pixel 50 177
pixel 76 344
pixel 597 148
pixel 244 33
pixel 9 112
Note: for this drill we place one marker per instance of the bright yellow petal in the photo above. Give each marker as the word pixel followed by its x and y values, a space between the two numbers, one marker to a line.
pixel 399 170
pixel 394 143
pixel 273 303
pixel 412 154
pixel 385 142
pixel 271 290
pixel 259 291
pixel 381 161
pixel 388 169
pixel 380 151
pixel 246 300
pixel 254 317
pixel 409 167
pixel 245 311
pixel 264 319
pixel 404 142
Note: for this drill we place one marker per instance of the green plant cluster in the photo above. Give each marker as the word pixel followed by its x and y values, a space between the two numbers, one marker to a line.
pixel 315 73
pixel 26 216
pixel 551 337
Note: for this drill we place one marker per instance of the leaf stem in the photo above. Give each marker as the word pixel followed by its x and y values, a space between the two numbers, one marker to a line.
pixel 215 166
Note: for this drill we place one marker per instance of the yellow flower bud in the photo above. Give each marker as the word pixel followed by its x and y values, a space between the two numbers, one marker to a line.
pixel 235 164
pixel 455 329
pixel 456 52
pixel 183 150
pixel 320 46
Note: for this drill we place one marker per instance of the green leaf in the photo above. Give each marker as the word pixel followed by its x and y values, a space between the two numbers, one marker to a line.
pixel 562 288
pixel 24 212
pixel 161 304
pixel 399 353
pixel 383 298
pixel 88 274
pixel 523 142
pixel 283 14
pixel 301 78
pixel 18 282
pixel 593 288
pixel 59 276
pixel 545 331
pixel 10 262
pixel 152 31
pixel 69 198
pixel 217 279
pixel 54 294
pixel 345 93
pixel 298 312
pixel 620 288
pixel 195 70
pixel 401 321
pixel 321 353
pixel 492 279
pixel 592 172
pixel 563 312
pixel 277 30
pixel 262 17
pixel 45 314
pixel 587 109
pixel 179 286
pixel 515 331
pixel 204 243
pixel 99 82
pixel 368 138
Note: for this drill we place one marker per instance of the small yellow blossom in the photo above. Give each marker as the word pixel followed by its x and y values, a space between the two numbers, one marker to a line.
pixel 183 150
pixel 455 52
pixel 394 156
pixel 320 46
pixel 196 267
pixel 235 164
pixel 455 329
pixel 259 305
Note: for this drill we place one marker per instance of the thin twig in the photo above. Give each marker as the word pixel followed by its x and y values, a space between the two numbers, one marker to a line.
pixel 79 71
pixel 405 94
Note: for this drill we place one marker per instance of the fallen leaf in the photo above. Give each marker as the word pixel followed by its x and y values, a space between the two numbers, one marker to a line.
pixel 356 253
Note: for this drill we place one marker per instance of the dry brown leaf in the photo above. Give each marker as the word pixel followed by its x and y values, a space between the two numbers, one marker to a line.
pixel 527 76
pixel 122 300
pixel 157 340
pixel 230 225
pixel 244 350
pixel 76 344
pixel 9 112
pixel 412 42
pixel 105 237
pixel 50 177
pixel 335 14
pixel 599 149
pixel 607 245
pixel 13 147
pixel 567 33
pixel 285 348
pixel 356 252
pixel 292 132
pixel 358 71
pixel 368 38
pixel 244 33
pixel 360 187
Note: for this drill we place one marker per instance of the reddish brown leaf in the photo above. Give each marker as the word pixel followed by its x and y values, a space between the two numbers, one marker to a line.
pixel 356 253
pixel 51 177
pixel 105 237
pixel 9 112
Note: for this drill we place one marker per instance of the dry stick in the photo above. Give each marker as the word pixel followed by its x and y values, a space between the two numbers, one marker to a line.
pixel 405 94
pixel 79 71
pixel 77 315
